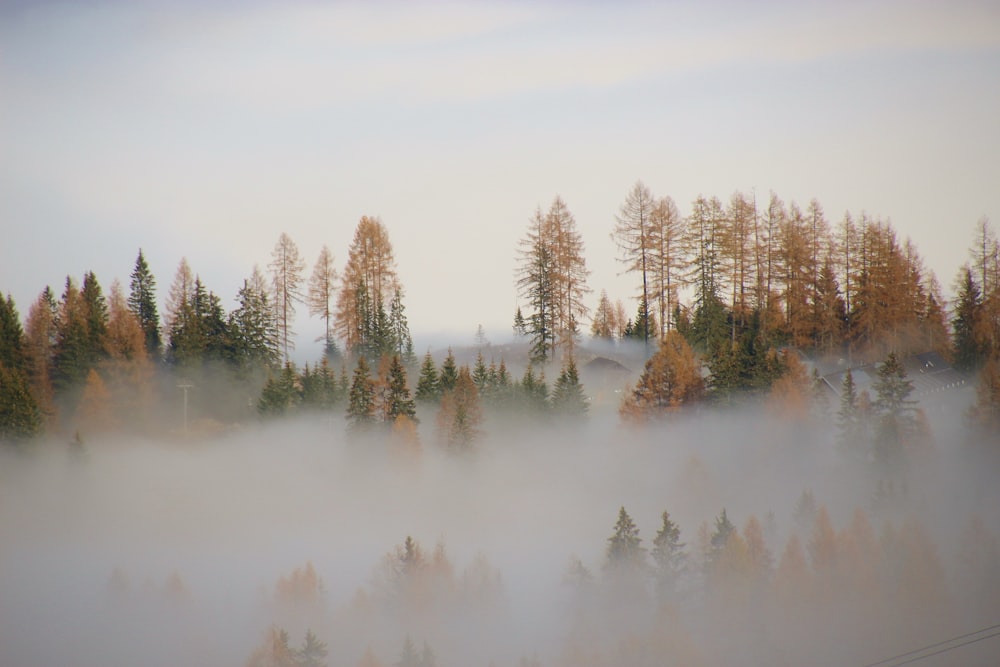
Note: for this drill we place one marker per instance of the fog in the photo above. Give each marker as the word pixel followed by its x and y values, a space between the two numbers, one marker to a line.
pixel 154 552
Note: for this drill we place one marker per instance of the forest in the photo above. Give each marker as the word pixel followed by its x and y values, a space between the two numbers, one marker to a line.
pixel 757 461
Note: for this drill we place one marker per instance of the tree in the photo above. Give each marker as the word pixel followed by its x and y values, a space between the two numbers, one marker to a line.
pixel 702 241
pixel 667 232
pixel 397 403
pixel 128 366
pixel 281 392
pixel 179 297
pixel 322 288
pixel 274 651
pixel 570 274
pixel 634 235
pixel 13 352
pixel 312 652
pixel 253 329
pixel 367 283
pixel 142 303
pixel 40 345
pixel 70 363
pixel 896 413
pixel 399 329
pixel 670 379
pixel 448 377
pixel 20 418
pixel 460 414
pixel 625 553
pixel 536 282
pixel 720 536
pixel 604 326
pixel 286 280
pixel 668 555
pixel 850 428
pixel 361 402
pixel 568 398
pixel 427 384
pixel 969 351
pixel 985 413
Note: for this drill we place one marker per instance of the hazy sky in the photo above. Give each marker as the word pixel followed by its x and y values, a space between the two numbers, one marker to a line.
pixel 206 129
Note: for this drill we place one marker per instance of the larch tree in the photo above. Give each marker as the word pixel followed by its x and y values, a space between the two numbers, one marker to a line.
pixel 286 280
pixel 179 297
pixel 736 255
pixel 703 239
pixel 142 303
pixel 633 232
pixel 570 273
pixel 322 290
pixel 603 325
pixel 667 261
pixel 670 379
pixel 129 368
pixel 536 280
pixel 368 282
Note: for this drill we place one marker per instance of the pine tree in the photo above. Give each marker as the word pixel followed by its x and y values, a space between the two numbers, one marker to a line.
pixel 536 283
pixel 969 351
pixel 253 330
pixel 427 384
pixel 13 353
pixel 568 398
pixel 399 329
pixel 142 303
pixel 448 376
pixel 895 410
pixel 480 374
pixel 361 402
pixel 71 361
pixel 95 310
pixel 668 555
pixel 520 324
pixel 312 652
pixel 397 401
pixel 20 418
pixel 625 553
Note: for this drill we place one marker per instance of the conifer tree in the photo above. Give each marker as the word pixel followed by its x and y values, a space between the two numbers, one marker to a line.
pixel 40 340
pixel 20 418
pixel 12 340
pixel 850 434
pixel 969 351
pixel 71 361
pixel 427 384
pixel 520 324
pixel 985 413
pixel 286 281
pixel 361 402
pixel 460 415
pixel 670 380
pixel 142 303
pixel 603 325
pixel 312 652
pixel 253 330
pixel 322 289
pixel 633 233
pixel 397 400
pixel 399 329
pixel 568 398
pixel 896 411
pixel 448 376
pixel 367 283
pixel 95 309
pixel 668 555
pixel 625 553
pixel 723 529
pixel 480 374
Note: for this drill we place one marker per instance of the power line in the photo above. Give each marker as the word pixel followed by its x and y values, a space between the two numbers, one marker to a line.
pixel 938 645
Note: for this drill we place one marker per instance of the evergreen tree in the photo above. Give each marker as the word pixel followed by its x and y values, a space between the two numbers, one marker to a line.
pixel 568 398
pixel 142 303
pixel 536 282
pixel 361 402
pixel 71 362
pixel 448 376
pixel 95 309
pixel 312 652
pixel 427 384
pixel 281 392
pixel 717 543
pixel 460 415
pixel 253 331
pixel 13 353
pixel 20 418
pixel 668 555
pixel 40 336
pixel 625 552
pixel 532 393
pixel 399 329
pixel 367 283
pixel 480 373
pixel 850 434
pixel 397 401
pixel 969 351
pixel 896 411
pixel 520 324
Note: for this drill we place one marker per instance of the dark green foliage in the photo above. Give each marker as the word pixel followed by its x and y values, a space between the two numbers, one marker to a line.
pixel 12 341
pixel 361 401
pixel 748 365
pixel 95 309
pixel 142 303
pixel 710 324
pixel 253 331
pixel 896 412
pixel 480 374
pixel 520 325
pixel 20 418
pixel 532 393
pixel 568 398
pixel 849 426
pixel 448 375
pixel 625 551
pixel 643 327
pixel 281 392
pixel 968 351
pixel 427 384
pixel 398 402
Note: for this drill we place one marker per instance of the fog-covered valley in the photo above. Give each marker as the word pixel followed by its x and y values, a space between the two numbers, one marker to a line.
pixel 123 552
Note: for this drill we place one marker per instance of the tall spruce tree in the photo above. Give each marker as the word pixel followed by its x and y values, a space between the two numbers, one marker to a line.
pixel 142 303
pixel 427 384
pixel 568 398
pixel 361 401
pixel 397 400
pixel 625 553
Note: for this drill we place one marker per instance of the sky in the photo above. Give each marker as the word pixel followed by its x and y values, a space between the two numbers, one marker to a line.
pixel 206 129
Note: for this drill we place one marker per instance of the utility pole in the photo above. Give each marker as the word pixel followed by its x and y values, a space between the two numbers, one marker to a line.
pixel 184 388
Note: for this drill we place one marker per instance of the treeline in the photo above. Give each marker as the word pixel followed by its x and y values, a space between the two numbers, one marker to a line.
pixel 737 282
pixel 773 590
